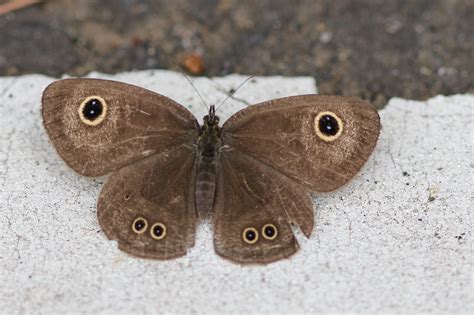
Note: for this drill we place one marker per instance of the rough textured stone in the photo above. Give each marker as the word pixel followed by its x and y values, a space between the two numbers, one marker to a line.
pixel 398 238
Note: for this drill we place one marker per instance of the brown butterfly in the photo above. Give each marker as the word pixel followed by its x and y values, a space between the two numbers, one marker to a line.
pixel 254 174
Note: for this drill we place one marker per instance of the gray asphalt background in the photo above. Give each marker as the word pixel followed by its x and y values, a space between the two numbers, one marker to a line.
pixel 374 49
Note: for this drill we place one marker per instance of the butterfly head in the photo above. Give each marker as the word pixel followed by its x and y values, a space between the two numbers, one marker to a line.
pixel 211 119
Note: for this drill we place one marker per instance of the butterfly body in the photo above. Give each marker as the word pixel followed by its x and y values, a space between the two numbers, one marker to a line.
pixel 254 173
pixel 208 149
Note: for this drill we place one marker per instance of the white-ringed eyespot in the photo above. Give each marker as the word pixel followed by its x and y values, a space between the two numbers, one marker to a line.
pixel 250 235
pixel 328 126
pixel 92 110
pixel 139 225
pixel 158 231
pixel 269 231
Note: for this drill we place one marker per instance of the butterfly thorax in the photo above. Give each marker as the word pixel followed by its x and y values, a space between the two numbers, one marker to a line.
pixel 209 144
pixel 210 136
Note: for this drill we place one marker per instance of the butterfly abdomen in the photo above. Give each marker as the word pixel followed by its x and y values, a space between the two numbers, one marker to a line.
pixel 205 183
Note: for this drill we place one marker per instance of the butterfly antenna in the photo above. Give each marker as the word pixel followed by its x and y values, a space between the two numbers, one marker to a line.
pixel 195 89
pixel 233 91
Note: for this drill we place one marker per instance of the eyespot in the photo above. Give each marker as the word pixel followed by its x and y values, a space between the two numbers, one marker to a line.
pixel 158 231
pixel 92 110
pixel 139 225
pixel 328 126
pixel 250 235
pixel 127 196
pixel 269 231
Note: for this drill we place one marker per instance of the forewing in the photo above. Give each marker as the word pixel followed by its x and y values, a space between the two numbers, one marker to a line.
pixel 157 190
pixel 251 195
pixel 282 134
pixel 137 123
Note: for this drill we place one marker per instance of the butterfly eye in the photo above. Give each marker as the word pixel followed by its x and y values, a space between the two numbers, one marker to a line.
pixel 328 126
pixel 269 231
pixel 92 110
pixel 158 231
pixel 250 235
pixel 139 225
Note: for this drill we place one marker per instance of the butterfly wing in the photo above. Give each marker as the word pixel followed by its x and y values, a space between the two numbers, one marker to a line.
pixel 275 154
pixel 98 126
pixel 148 206
pixel 146 139
pixel 289 135
pixel 254 198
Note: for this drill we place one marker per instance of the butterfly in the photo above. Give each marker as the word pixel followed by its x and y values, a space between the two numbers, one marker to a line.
pixel 253 174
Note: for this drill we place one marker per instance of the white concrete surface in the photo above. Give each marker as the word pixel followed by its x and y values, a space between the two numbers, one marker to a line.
pixel 397 239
